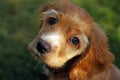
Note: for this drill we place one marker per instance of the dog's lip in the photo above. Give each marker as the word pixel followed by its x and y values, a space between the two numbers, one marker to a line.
pixel 35 56
pixel 32 48
pixel 35 52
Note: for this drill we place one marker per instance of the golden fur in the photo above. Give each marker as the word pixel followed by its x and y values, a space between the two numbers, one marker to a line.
pixel 90 60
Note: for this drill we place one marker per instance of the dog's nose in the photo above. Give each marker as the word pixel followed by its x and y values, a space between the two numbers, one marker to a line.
pixel 43 47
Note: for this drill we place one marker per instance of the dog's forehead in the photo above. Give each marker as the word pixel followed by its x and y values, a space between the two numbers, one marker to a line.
pixel 70 16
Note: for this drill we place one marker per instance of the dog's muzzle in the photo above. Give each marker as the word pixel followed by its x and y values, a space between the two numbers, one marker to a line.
pixel 43 47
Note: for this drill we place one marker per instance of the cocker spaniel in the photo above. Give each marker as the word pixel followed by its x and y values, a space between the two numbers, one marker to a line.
pixel 71 44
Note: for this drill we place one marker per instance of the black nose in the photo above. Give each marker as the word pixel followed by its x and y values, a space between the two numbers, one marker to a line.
pixel 43 47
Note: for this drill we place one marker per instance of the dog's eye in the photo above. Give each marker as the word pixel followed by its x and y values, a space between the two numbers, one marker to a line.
pixel 74 40
pixel 52 21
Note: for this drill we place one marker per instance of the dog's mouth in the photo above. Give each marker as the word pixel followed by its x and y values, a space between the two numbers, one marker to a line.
pixel 64 69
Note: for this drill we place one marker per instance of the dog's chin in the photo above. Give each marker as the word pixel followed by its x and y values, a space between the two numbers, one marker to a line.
pixel 66 67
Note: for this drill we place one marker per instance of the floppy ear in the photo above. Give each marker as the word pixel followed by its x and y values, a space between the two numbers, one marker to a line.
pixel 96 58
pixel 99 48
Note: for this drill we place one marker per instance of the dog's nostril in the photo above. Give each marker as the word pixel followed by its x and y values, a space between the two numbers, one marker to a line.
pixel 43 47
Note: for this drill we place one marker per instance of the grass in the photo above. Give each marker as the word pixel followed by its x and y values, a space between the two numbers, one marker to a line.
pixel 19 25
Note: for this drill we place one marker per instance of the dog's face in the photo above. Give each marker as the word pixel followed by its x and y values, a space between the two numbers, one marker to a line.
pixel 59 39
pixel 68 31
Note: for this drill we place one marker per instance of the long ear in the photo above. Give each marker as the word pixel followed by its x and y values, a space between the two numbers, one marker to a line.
pixel 96 58
pixel 101 55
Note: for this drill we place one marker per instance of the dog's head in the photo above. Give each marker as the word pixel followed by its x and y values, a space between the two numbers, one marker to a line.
pixel 68 31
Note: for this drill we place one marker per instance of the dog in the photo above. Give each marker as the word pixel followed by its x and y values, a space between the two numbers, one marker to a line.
pixel 71 44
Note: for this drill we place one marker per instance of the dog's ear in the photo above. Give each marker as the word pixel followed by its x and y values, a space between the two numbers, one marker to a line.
pixel 100 57
pixel 98 47
pixel 96 58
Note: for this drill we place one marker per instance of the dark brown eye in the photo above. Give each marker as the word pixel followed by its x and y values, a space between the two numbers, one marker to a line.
pixel 52 21
pixel 74 40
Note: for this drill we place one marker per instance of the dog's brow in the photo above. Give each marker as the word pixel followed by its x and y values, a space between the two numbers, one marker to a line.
pixel 50 12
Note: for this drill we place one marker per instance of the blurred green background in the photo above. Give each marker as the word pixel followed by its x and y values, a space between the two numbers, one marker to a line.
pixel 19 25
